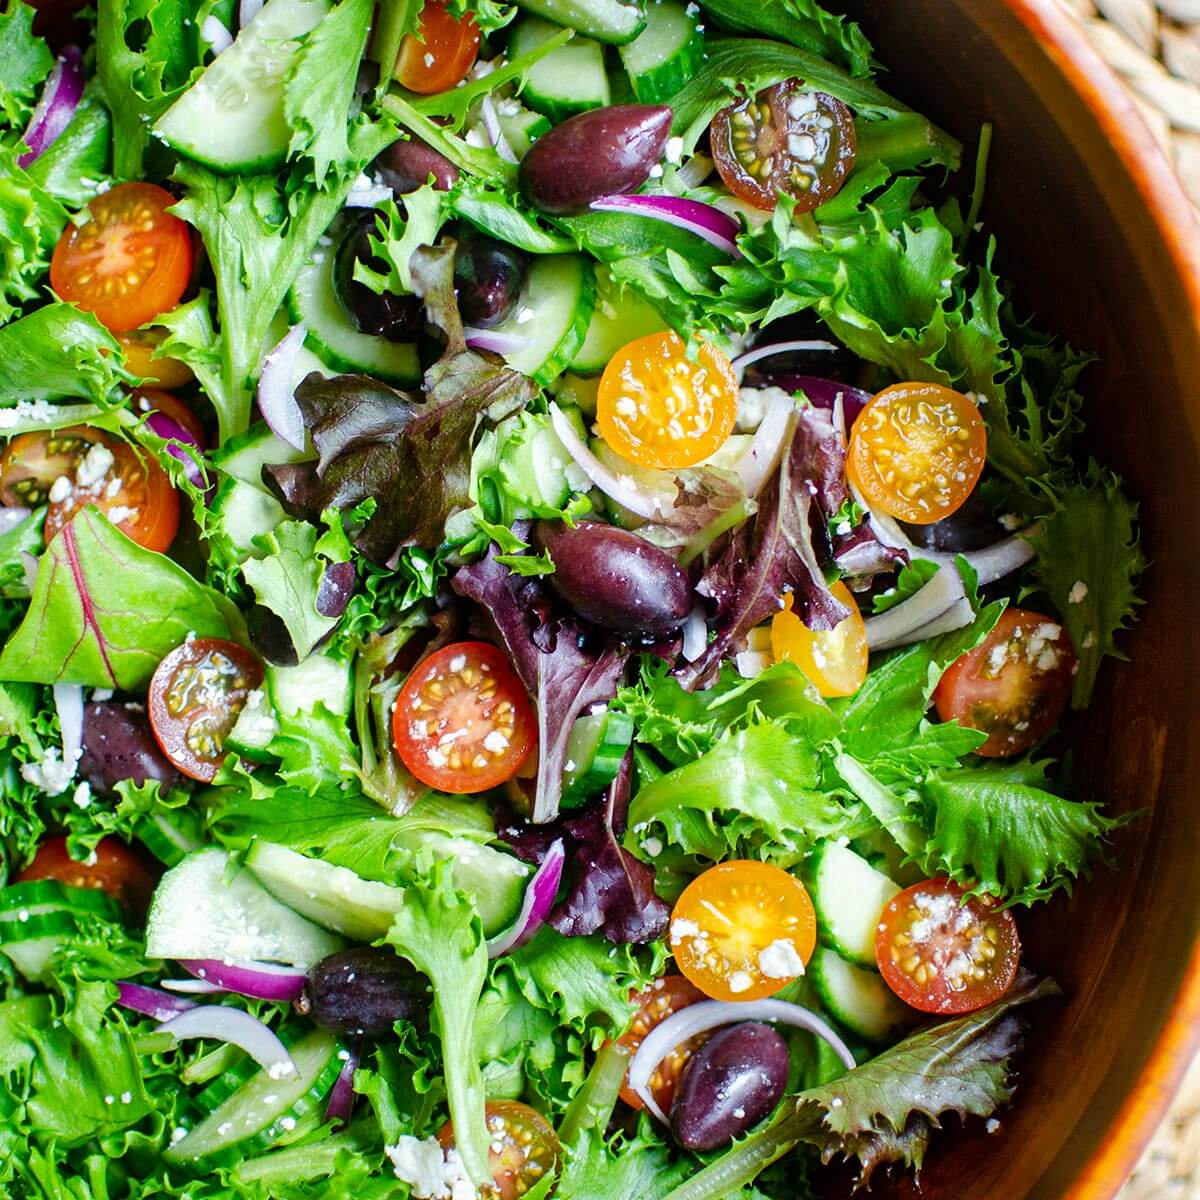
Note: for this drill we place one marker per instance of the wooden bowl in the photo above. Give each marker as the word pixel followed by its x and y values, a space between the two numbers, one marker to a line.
pixel 1102 244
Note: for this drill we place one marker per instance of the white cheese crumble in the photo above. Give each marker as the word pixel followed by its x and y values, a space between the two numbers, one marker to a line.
pixel 1078 592
pixel 82 796
pixel 60 489
pixel 430 1172
pixel 682 928
pixel 780 960
pixel 739 982
pixel 51 775
pixel 674 150
pixel 96 464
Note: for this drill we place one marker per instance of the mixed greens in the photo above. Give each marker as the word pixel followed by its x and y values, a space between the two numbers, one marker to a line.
pixel 539 574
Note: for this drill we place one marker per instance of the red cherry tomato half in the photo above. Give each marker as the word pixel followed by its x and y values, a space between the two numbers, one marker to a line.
pixel 662 999
pixel 524 1148
pixel 940 954
pixel 441 53
pixel 462 722
pixel 1014 685
pixel 196 694
pixel 131 261
pixel 116 870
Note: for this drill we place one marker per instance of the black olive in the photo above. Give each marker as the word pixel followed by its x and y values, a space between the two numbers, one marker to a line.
pixel 397 318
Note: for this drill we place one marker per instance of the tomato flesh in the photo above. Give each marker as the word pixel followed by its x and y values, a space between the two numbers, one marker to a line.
pixel 1014 685
pixel 917 451
pixel 524 1148
pixel 833 660
pixel 786 139
pixel 114 869
pixel 662 999
pixel 441 53
pixel 462 721
pixel 196 695
pixel 743 930
pixel 657 408
pixel 129 262
pixel 940 954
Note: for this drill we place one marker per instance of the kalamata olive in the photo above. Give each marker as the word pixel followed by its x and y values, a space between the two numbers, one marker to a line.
pixel 407 164
pixel 616 579
pixel 270 637
pixel 734 1080
pixel 397 318
pixel 365 991
pixel 118 744
pixel 969 527
pixel 488 277
pixel 335 589
pixel 596 153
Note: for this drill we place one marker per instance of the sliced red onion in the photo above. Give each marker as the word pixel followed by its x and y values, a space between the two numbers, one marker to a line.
pixel 10 518
pixel 262 981
pixel 958 616
pixel 29 564
pixel 715 227
pixel 247 11
pixel 56 105
pixel 196 987
pixel 366 193
pixel 695 171
pixel 540 893
pixel 239 1028
pixel 341 1095
pixel 622 489
pixel 496 340
pixel 150 1002
pixel 491 126
pixel 760 352
pixel 215 34
pixel 276 390
pixel 170 430
pixel 695 633
pixel 759 462
pixel 68 702
pixel 824 393
pixel 711 1014
pixel 895 626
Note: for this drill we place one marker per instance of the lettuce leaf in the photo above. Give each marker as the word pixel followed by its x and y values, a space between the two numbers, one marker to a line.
pixel 25 61
pixel 31 220
pixel 74 167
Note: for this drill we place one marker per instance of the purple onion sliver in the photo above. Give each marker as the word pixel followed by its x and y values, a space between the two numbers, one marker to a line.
pixel 277 389
pixel 495 341
pixel 197 987
pixel 10 518
pixel 56 105
pixel 262 981
pixel 341 1095
pixel 335 589
pixel 171 430
pixel 150 1002
pixel 239 1028
pixel 705 221
pixel 540 894
pixel 822 392
pixel 247 11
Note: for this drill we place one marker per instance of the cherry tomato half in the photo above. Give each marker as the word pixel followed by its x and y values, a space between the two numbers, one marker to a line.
pixel 833 660
pixel 785 139
pixel 916 451
pixel 941 955
pixel 440 53
pixel 524 1148
pixel 117 871
pixel 462 721
pixel 196 694
pixel 138 346
pixel 657 408
pixel 662 999
pixel 743 930
pixel 131 261
pixel 1014 685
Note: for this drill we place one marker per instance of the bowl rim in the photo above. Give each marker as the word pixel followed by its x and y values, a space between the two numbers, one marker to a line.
pixel 1179 227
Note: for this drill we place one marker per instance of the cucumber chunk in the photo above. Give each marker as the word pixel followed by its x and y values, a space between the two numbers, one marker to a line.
pixel 244 456
pixel 568 80
pixel 168 835
pixel 245 512
pixel 666 54
pixel 595 747
pixel 318 679
pixel 618 318
pixel 611 21
pixel 254 729
pixel 38 916
pixel 848 895
pixel 857 998
pixel 197 912
pixel 521 126
pixel 232 119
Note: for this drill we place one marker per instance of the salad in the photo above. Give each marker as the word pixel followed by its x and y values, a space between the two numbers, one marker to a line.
pixel 540 575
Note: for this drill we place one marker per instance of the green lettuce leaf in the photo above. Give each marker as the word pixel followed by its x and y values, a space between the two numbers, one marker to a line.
pixel 31 220
pixel 25 61
pixel 74 167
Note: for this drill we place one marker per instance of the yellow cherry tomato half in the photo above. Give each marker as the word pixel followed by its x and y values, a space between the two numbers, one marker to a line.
pixel 743 930
pixel 916 451
pixel 658 408
pixel 138 346
pixel 833 660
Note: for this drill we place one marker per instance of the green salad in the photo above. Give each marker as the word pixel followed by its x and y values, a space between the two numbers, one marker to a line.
pixel 541 579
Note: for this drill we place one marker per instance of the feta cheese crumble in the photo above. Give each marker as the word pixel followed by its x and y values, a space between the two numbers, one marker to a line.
pixel 430 1172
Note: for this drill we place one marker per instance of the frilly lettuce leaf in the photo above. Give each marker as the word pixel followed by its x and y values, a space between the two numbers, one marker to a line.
pixel 25 61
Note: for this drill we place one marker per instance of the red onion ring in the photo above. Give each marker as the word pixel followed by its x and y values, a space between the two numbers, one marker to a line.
pixel 277 389
pixel 261 981
pixel 11 517
pixel 150 1002
pixel 239 1028
pixel 540 893
pixel 760 352
pixel 68 702
pixel 759 462
pixel 715 227
pixel 56 106
pixel 196 987
pixel 496 341
pixel 341 1095
pixel 170 430
pixel 695 633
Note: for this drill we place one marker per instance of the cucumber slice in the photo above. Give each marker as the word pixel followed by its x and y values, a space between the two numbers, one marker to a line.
pixel 617 320
pixel 332 335
pixel 521 126
pixel 20 901
pixel 493 879
pixel 848 895
pixel 666 54
pixel 552 314
pixel 254 729
pixel 318 678
pixel 232 119
pixel 169 835
pixel 207 908
pixel 596 745
pixel 33 942
pixel 244 456
pixel 264 1109
pixel 245 512
pixel 857 998
pixel 568 80
pixel 612 21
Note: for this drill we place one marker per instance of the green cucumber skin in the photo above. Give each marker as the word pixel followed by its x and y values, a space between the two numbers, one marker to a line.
pixel 657 62
pixel 569 80
pixel 607 21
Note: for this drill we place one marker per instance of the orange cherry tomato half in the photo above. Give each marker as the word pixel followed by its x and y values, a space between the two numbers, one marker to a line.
pixel 138 346
pixel 662 999
pixel 114 869
pixel 147 400
pixel 196 695
pixel 131 261
pixel 440 53
pixel 833 660
pixel 462 722
pixel 916 451
pixel 940 954
pixel 1014 685
pixel 523 1150
pixel 657 408
pixel 743 930
pixel 31 462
